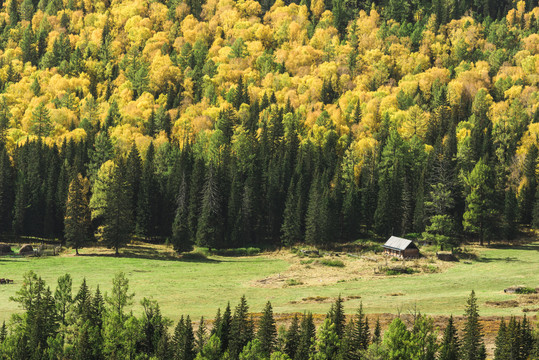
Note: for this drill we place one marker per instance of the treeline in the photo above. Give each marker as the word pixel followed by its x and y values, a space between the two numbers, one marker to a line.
pixel 90 325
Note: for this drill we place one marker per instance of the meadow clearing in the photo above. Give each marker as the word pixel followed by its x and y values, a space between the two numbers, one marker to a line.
pixel 199 285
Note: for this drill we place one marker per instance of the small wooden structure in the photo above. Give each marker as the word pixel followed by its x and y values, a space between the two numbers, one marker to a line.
pixel 401 248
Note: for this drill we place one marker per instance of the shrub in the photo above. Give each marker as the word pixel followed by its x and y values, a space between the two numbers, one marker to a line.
pixel 525 290
pixel 237 252
pixel 306 262
pixel 293 282
pixel 332 263
pixel 397 270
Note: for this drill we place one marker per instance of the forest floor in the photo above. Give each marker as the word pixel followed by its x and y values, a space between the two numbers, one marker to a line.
pixel 197 285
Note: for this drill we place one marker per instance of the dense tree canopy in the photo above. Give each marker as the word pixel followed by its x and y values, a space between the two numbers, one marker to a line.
pixel 270 122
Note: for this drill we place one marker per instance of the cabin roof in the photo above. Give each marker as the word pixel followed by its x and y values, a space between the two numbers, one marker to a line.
pixel 397 243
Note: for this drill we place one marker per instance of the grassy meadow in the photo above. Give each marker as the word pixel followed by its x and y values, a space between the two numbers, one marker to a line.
pixel 199 286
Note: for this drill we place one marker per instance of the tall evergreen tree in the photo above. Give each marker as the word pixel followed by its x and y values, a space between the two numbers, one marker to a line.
pixel 473 347
pixel 111 205
pixel 267 332
pixel 292 338
pixel 450 346
pixel 210 223
pixel 78 216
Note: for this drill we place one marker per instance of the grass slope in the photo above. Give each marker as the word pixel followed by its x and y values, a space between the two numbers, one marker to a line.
pixel 198 287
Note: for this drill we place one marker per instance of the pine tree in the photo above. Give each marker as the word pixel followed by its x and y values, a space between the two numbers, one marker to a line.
pixel 327 342
pixel 377 335
pixel 111 204
pixel 502 345
pixel 450 343
pixel 307 335
pixel 200 336
pixel 180 228
pixel 41 122
pixel 337 317
pixel 133 176
pixel 210 223
pixel 479 215
pixel 267 332
pixel 223 327
pixel 240 329
pixel 7 188
pixel 147 201
pixel 472 340
pixel 78 216
pixel 13 13
pixel 292 338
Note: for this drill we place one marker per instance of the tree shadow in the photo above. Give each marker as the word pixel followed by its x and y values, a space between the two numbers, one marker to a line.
pixel 150 253
pixel 507 259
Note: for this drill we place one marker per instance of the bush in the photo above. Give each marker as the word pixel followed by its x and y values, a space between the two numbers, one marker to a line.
pixel 525 290
pixel 306 262
pixel 194 256
pixel 293 282
pixel 237 252
pixel 397 270
pixel 332 263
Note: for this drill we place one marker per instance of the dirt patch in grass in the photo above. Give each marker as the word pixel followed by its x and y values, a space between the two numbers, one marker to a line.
pixel 314 272
pixel 323 299
pixel 503 304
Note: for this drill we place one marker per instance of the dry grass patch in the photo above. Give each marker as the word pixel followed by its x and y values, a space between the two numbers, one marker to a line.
pixel 335 268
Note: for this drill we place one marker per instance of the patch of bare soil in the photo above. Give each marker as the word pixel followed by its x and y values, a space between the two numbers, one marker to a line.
pixel 503 304
pixel 305 271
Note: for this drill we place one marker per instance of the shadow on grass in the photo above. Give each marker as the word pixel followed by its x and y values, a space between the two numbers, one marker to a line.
pixel 507 259
pixel 149 253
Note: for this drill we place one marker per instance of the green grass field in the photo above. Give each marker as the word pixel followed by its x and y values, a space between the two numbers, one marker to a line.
pixel 200 287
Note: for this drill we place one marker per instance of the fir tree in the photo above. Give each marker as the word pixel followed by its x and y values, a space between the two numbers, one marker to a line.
pixel 200 336
pixel 307 334
pixel 472 340
pixel 210 224
pixel 267 332
pixel 78 217
pixel 337 317
pixel 292 338
pixel 240 329
pixel 450 343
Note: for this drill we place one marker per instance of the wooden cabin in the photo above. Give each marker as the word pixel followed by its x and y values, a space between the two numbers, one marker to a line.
pixel 401 248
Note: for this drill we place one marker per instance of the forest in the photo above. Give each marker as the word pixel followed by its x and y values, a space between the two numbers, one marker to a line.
pixel 243 123
pixel 92 325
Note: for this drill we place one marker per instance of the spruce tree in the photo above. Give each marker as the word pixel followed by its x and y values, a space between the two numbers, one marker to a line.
pixel 7 188
pixel 111 205
pixel 77 220
pixel 337 317
pixel 200 336
pixel 450 343
pixel 292 338
pixel 210 223
pixel 472 339
pixel 377 334
pixel 147 201
pixel 307 335
pixel 502 345
pixel 240 329
pixel 267 332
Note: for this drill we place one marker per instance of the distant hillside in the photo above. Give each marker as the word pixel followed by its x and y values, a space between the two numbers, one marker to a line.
pixel 237 123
